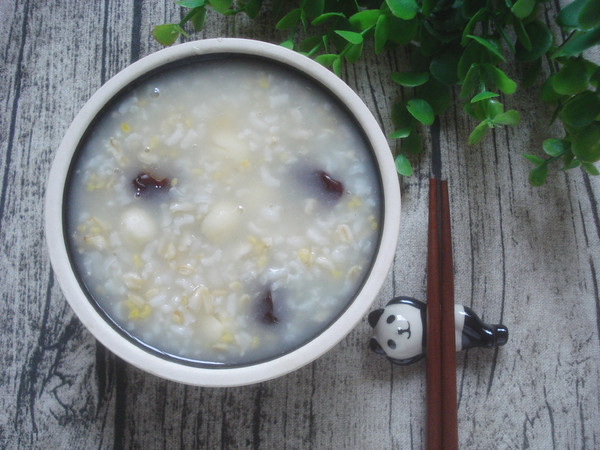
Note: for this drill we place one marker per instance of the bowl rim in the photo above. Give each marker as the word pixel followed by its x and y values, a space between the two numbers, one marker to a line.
pixel 246 374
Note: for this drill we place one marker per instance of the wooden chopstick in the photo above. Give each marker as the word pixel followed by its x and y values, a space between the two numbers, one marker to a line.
pixel 442 425
pixel 433 343
pixel 449 407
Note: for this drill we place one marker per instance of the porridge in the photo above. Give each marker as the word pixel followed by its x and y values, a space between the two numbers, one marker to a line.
pixel 225 212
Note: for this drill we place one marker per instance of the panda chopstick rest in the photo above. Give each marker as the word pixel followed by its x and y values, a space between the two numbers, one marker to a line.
pixel 405 327
pixel 399 330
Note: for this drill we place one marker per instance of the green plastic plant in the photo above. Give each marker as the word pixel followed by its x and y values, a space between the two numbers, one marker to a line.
pixel 461 43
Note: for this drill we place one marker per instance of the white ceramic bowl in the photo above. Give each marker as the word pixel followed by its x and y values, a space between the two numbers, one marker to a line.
pixel 171 368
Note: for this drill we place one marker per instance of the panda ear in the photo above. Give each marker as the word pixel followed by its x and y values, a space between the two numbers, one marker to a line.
pixel 374 346
pixel 395 301
pixel 407 301
pixel 374 317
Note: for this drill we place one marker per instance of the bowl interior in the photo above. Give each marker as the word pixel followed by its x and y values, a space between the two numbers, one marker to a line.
pixel 169 364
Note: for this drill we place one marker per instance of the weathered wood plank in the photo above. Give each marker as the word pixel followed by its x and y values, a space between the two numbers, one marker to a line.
pixel 52 382
pixel 529 257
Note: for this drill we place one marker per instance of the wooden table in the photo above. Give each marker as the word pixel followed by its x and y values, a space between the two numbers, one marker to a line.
pixel 527 257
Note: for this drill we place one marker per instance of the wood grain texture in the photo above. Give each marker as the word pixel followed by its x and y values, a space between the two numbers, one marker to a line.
pixel 527 257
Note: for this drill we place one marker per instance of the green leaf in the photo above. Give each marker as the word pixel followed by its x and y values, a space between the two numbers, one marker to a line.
pixel 430 43
pixel 428 6
pixel 337 66
pixel 500 79
pixel 538 175
pixel 401 118
pixel 402 31
pixel 309 44
pixel 302 21
pixel 590 168
pixel 581 110
pixel 199 18
pixel 589 16
pixel 484 109
pixel 488 44
pixel 438 95
pixel 523 8
pixel 421 110
pixel 221 6
pixel 473 54
pixel 479 16
pixel 568 16
pixel 290 20
pixel 289 44
pixel 507 40
pixel 492 107
pixel 556 147
pixel 382 32
pixel 476 110
pixel 350 36
pixel 479 132
pixel 354 52
pixel 540 38
pixel 313 8
pixel 595 78
pixel 412 144
pixel 326 59
pixel 549 95
pixel 591 68
pixel 586 144
pixel 483 96
pixel 522 36
pixel 534 159
pixel 572 78
pixel 510 117
pixel 471 81
pixel 320 20
pixel 251 7
pixel 444 66
pixel 400 133
pixel 403 166
pixel 166 34
pixel 445 25
pixel 410 79
pixel 190 3
pixel 364 19
pixel 578 42
pixel 569 161
pixel 403 9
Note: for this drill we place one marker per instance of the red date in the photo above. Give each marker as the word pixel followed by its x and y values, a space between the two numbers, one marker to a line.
pixel 330 184
pixel 268 315
pixel 145 182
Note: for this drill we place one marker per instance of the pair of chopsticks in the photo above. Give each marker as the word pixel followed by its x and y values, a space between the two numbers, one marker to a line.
pixel 442 425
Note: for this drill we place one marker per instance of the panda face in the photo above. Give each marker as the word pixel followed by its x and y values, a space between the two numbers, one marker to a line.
pixel 399 331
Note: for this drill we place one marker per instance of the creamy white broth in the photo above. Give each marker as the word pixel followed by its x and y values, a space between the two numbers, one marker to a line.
pixel 226 211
